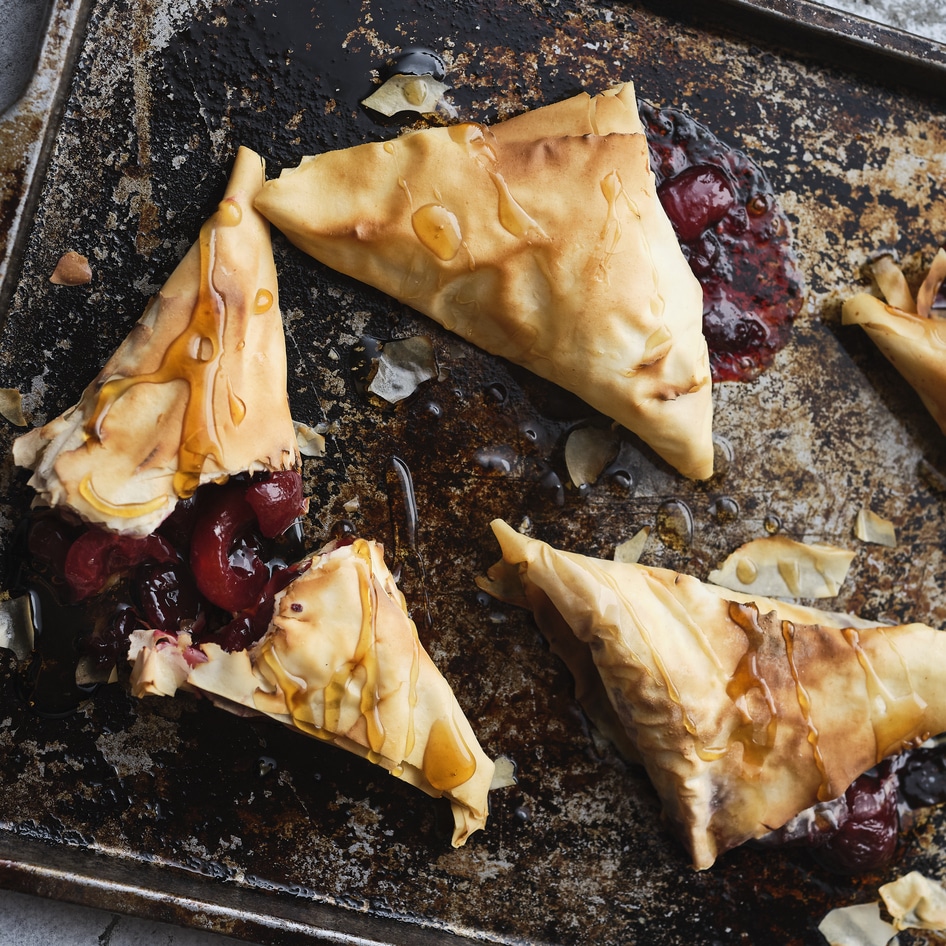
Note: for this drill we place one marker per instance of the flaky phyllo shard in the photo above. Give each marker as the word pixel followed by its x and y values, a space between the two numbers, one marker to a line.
pixel 341 661
pixel 744 711
pixel 195 393
pixel 540 239
pixel 910 332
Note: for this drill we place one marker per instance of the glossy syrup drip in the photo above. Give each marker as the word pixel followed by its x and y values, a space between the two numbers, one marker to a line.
pixel 897 721
pixel 362 665
pixel 194 357
pixel 448 761
pixel 825 790
pixel 613 191
pixel 438 229
pixel 747 678
pixel 360 674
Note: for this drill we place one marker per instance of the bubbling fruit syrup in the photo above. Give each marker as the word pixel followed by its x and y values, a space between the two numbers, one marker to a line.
pixel 736 239
pixel 212 568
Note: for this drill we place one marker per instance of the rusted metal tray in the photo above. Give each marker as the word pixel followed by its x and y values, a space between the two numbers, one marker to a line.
pixel 174 810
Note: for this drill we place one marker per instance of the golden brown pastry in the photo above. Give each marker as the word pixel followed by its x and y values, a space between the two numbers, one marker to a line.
pixel 195 393
pixel 910 333
pixel 541 240
pixel 341 661
pixel 744 711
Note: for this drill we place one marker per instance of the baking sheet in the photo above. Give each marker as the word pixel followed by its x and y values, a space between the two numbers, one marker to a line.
pixel 124 803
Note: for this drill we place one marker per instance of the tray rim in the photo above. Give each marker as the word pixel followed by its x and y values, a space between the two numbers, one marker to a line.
pixel 162 892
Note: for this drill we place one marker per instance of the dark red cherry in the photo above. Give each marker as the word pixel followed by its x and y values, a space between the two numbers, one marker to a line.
pixel 167 595
pixel 48 541
pixel 97 555
pixel 106 645
pixel 867 837
pixel 224 554
pixel 277 501
pixel 696 199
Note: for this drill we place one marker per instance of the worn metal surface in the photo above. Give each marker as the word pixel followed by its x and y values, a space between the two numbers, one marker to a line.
pixel 238 825
pixel 39 40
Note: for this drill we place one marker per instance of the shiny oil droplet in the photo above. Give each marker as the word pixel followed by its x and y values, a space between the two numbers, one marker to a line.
pixel 771 524
pixel 674 524
pixel 496 391
pixel 263 302
pixel 723 456
pixel 725 509
pixel 495 460
pixel 621 479
pixel 438 229
pixel 417 61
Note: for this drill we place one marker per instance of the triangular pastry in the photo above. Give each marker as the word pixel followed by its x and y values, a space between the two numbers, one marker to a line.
pixel 910 333
pixel 541 240
pixel 744 711
pixel 195 393
pixel 341 661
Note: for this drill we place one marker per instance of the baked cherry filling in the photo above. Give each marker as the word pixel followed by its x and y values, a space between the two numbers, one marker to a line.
pixel 736 239
pixel 860 830
pixel 212 568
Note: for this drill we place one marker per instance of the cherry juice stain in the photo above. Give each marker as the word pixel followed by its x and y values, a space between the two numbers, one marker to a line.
pixel 736 238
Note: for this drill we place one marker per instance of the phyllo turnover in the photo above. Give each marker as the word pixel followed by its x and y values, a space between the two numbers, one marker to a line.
pixel 911 333
pixel 341 661
pixel 744 711
pixel 195 393
pixel 540 239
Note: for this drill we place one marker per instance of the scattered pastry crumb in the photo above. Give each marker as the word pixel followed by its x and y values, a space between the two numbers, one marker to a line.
pixel 588 451
pixel 630 551
pixel 402 93
pixel 72 270
pixel 780 567
pixel 311 442
pixel 858 925
pixel 869 527
pixel 403 366
pixel 914 901
pixel 504 773
pixel 11 406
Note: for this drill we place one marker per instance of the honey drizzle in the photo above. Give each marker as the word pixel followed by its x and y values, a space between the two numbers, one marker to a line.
pixel 707 754
pixel 825 791
pixel 747 677
pixel 447 761
pixel 194 357
pixel 901 718
pixel 363 663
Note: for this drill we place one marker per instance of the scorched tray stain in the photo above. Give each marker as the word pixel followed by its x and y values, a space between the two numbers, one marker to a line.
pixel 574 853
